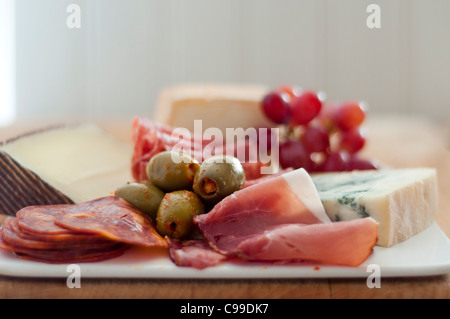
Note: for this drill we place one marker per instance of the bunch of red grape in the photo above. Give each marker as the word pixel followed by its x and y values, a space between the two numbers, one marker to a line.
pixel 318 136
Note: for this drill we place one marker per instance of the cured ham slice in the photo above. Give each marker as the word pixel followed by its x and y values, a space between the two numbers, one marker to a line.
pixel 194 253
pixel 151 138
pixel 287 199
pixel 282 219
pixel 342 243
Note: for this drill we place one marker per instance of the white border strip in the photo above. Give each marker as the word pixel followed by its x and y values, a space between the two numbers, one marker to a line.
pixel 7 62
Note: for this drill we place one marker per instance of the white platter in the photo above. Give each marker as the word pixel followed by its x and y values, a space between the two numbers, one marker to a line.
pixel 425 254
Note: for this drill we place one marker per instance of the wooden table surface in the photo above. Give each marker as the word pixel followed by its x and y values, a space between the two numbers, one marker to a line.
pixel 396 141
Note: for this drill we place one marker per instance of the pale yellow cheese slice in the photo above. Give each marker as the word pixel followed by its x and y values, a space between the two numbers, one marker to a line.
pixel 217 105
pixel 82 162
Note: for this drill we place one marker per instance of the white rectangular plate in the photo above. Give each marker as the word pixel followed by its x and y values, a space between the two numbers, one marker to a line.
pixel 425 254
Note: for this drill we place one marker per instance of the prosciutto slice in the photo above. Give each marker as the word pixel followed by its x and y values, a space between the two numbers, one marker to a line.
pixel 344 243
pixel 287 199
pixel 195 253
pixel 282 219
pixel 151 138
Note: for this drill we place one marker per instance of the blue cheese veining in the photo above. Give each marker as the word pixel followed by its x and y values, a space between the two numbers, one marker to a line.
pixel 403 201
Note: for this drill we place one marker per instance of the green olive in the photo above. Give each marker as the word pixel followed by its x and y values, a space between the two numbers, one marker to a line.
pixel 176 213
pixel 172 171
pixel 218 177
pixel 145 197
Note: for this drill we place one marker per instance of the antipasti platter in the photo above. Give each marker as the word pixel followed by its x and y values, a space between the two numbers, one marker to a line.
pixel 277 188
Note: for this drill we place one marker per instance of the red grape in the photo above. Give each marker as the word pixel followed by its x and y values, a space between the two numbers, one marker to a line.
pixel 335 162
pixel 276 107
pixel 357 163
pixel 315 139
pixel 321 136
pixel 294 155
pixel 317 161
pixel 325 117
pixel 353 140
pixel 349 115
pixel 305 108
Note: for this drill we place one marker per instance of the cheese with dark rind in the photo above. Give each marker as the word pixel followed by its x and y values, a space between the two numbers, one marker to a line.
pixel 20 187
pixel 61 165
pixel 404 202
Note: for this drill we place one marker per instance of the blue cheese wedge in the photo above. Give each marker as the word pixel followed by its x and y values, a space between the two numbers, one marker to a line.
pixel 61 165
pixel 403 201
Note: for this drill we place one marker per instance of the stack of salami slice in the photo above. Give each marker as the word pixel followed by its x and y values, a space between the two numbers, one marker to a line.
pixel 97 230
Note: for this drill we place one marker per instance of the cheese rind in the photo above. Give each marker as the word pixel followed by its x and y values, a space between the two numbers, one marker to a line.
pixel 403 201
pixel 79 163
pixel 218 106
pixel 20 187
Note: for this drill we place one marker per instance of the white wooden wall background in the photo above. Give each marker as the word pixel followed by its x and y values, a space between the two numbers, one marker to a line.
pixel 127 50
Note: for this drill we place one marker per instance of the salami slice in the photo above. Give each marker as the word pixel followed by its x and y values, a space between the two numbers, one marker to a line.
pixel 62 238
pixel 38 223
pixel 12 235
pixel 66 255
pixel 74 257
pixel 93 231
pixel 41 219
pixel 115 219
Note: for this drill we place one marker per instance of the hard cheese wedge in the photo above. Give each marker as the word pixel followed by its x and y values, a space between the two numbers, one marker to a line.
pixel 218 106
pixel 403 201
pixel 61 166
